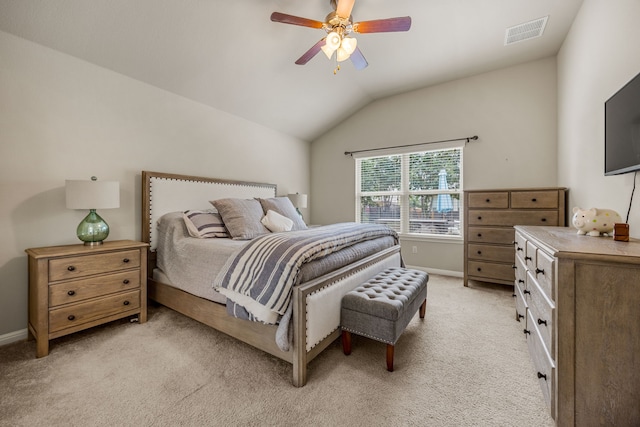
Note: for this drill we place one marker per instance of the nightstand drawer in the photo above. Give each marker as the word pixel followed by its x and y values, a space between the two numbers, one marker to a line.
pixel 78 290
pixel 87 265
pixel 76 314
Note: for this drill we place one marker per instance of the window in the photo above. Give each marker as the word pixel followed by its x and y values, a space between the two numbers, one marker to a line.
pixel 413 193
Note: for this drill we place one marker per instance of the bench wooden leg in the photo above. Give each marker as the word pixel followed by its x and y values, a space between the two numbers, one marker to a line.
pixel 423 309
pixel 390 349
pixel 346 342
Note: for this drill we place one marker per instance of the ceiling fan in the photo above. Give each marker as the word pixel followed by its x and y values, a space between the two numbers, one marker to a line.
pixel 339 25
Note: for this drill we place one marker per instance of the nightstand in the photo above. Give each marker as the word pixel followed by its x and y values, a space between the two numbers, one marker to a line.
pixel 75 287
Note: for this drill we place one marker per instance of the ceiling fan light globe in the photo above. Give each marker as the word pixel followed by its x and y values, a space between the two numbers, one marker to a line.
pixel 333 40
pixel 328 51
pixel 342 54
pixel 349 45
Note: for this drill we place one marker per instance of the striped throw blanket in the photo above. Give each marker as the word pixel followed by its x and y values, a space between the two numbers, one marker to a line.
pixel 260 276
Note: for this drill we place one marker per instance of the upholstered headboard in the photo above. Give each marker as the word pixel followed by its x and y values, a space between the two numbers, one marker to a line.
pixel 164 192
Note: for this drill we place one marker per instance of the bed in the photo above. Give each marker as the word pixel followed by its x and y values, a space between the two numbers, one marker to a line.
pixel 314 305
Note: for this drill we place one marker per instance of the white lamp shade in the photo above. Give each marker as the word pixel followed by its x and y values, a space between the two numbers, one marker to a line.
pixel 298 200
pixel 82 194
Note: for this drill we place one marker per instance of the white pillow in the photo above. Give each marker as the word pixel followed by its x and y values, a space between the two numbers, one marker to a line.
pixel 276 222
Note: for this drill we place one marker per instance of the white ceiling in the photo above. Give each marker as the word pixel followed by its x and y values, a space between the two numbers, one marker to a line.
pixel 229 55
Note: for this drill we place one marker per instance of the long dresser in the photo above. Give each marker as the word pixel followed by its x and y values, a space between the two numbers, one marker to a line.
pixel 578 299
pixel 488 227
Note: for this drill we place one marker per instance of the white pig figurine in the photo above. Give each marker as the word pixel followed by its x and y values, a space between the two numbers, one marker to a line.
pixel 594 221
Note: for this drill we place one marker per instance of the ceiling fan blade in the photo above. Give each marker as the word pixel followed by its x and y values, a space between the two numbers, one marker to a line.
pixel 383 25
pixel 311 53
pixel 295 20
pixel 344 8
pixel 358 60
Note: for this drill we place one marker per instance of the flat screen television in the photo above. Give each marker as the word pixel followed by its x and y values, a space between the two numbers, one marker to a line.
pixel 622 130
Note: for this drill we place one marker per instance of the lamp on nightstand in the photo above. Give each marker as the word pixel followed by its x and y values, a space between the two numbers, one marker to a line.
pixel 299 201
pixel 92 195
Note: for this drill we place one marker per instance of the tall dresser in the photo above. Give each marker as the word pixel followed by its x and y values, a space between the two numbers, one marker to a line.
pixel 488 227
pixel 578 300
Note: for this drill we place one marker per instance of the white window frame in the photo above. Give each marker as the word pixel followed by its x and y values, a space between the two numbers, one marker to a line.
pixel 404 191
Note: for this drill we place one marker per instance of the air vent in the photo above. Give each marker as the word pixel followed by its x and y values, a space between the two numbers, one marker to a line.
pixel 526 31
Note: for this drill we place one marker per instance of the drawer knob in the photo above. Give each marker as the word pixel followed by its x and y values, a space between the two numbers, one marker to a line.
pixel 542 322
pixel 544 219
pixel 539 271
pixel 526 291
pixel 479 269
pixel 479 252
pixel 534 200
pixel 125 281
pixel 71 293
pixel 479 218
pixel 515 267
pixel 126 303
pixel 527 332
pixel 479 234
pixel 71 317
pixel 488 200
pixel 126 260
pixel 519 248
pixel 520 316
pixel 71 268
pixel 521 281
pixel 541 375
pixel 528 258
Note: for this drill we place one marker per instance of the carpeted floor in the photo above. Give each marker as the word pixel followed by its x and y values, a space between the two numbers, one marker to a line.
pixel 465 364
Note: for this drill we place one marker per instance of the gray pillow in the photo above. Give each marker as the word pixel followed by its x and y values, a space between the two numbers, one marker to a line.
pixel 241 217
pixel 284 207
pixel 204 224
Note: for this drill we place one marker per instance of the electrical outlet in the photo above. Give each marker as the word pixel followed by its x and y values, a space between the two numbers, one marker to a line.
pixel 414 249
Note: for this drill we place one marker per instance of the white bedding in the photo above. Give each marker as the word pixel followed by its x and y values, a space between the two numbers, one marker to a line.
pixel 189 263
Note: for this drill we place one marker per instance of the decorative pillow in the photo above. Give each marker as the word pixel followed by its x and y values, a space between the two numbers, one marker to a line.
pixel 276 222
pixel 204 224
pixel 241 217
pixel 284 207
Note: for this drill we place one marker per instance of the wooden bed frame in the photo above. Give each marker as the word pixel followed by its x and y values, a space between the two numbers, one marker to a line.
pixel 316 309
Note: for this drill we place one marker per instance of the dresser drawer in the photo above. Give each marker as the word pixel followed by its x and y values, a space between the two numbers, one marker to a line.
pixel 78 290
pixel 491 253
pixel 531 256
pixel 521 247
pixel 76 314
pixel 491 235
pixel 534 200
pixel 520 272
pixel 541 309
pixel 490 270
pixel 544 272
pixel 542 362
pixel 521 303
pixel 87 265
pixel 513 217
pixel 489 200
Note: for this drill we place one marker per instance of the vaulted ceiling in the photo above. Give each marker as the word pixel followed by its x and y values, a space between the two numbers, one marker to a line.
pixel 229 55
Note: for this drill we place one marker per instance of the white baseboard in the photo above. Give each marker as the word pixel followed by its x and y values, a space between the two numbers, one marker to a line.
pixel 20 335
pixel 438 271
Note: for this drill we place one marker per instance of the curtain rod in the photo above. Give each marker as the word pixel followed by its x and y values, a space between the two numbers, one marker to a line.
pixel 468 139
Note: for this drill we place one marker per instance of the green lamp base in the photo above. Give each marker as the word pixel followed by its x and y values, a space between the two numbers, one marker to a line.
pixel 92 230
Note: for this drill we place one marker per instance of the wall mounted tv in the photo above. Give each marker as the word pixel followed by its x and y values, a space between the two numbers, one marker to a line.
pixel 622 130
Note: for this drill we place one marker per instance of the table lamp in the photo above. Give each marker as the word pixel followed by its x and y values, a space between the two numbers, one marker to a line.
pixel 299 201
pixel 92 195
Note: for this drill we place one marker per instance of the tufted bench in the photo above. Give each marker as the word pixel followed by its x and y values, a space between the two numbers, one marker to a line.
pixel 382 307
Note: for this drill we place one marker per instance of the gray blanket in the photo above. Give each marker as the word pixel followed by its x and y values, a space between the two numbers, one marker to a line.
pixel 260 276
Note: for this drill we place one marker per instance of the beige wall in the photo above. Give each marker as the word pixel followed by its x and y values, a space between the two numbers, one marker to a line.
pixel 61 118
pixel 512 110
pixel 599 56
